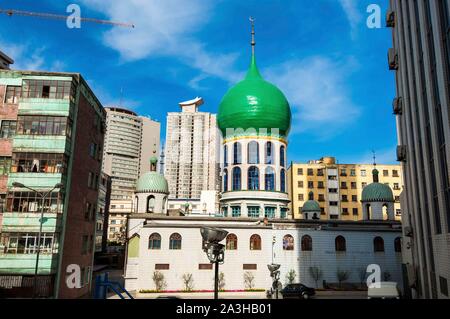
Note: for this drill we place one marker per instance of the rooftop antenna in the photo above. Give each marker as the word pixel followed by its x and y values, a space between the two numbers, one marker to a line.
pixel 374 159
pixel 252 21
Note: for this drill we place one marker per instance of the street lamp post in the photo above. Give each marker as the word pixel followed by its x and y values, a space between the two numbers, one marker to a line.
pixel 214 250
pixel 275 274
pixel 41 221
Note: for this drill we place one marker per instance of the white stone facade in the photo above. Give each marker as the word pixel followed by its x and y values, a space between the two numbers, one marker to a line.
pixel 174 263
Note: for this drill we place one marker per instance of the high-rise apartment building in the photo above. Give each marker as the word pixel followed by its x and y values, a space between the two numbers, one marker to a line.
pixel 51 133
pixel 192 149
pixel 420 58
pixel 338 187
pixel 130 141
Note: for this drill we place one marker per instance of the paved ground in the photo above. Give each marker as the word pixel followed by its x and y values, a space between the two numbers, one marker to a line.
pixel 248 295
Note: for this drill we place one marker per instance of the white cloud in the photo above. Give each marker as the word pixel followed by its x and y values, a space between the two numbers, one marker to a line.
pixel 354 17
pixel 24 57
pixel 318 93
pixel 164 28
pixel 384 156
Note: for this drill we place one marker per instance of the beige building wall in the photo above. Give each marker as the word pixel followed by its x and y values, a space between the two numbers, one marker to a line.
pixel 338 187
pixel 150 139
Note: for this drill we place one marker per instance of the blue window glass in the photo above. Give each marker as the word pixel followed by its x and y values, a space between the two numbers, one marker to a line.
pixel 236 179
pixel 225 180
pixel 253 178
pixel 225 156
pixel 282 156
pixel 269 179
pixel 236 211
pixel 283 213
pixel 283 181
pixel 237 153
pixel 253 153
pixel 253 211
pixel 269 153
pixel 269 212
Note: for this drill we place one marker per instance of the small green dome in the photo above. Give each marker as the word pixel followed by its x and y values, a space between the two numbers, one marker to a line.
pixel 311 206
pixel 377 192
pixel 254 103
pixel 152 182
pixel 153 160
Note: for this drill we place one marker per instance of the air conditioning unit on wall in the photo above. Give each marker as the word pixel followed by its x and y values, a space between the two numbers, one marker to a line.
pixel 401 153
pixel 397 106
pixel 390 19
pixel 393 59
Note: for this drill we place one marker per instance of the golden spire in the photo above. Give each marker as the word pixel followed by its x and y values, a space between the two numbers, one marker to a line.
pixel 252 21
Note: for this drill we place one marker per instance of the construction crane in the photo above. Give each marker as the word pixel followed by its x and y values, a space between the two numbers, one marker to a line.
pixel 11 12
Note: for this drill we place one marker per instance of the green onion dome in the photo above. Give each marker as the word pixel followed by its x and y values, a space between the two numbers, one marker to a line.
pixel 377 192
pixel 255 104
pixel 152 182
pixel 311 206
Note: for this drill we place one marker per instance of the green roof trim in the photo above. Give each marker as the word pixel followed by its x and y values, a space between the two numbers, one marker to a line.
pixel 255 104
pixel 377 192
pixel 152 182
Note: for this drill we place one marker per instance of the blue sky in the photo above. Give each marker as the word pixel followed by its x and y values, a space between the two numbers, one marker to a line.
pixel 330 65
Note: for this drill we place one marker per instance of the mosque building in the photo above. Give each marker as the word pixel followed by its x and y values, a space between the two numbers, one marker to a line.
pixel 254 117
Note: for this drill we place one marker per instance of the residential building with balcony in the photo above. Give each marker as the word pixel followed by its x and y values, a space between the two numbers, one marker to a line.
pixel 338 187
pixel 51 132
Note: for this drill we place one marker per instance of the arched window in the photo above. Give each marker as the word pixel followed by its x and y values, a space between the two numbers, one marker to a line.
pixel 340 244
pixel 225 156
pixel 255 242
pixel 231 242
pixel 269 179
pixel 269 153
pixel 236 179
pixel 398 245
pixel 237 153
pixel 225 180
pixel 306 243
pixel 253 178
pixel 283 181
pixel 378 245
pixel 282 156
pixel 175 241
pixel 154 241
pixel 253 153
pixel 288 242
pixel 150 203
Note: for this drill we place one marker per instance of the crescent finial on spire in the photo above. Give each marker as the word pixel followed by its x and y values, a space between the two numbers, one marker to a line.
pixel 252 21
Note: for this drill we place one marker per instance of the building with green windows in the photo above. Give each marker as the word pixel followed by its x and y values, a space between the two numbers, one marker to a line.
pixel 51 137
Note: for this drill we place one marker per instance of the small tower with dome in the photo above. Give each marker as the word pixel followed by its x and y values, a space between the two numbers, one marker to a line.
pixel 311 209
pixel 152 191
pixel 377 200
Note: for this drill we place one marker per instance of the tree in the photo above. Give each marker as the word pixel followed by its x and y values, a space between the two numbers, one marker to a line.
pixel 221 281
pixel 188 282
pixel 290 277
pixel 362 275
pixel 160 282
pixel 342 276
pixel 249 280
pixel 316 274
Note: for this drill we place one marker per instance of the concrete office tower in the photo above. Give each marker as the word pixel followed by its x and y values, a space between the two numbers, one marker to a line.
pixel 130 141
pixel 420 58
pixel 191 152
pixel 51 132
pixel 5 61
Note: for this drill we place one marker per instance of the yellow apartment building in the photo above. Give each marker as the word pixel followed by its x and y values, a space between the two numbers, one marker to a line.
pixel 338 187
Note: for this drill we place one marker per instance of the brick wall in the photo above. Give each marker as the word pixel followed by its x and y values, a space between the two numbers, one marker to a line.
pixel 76 225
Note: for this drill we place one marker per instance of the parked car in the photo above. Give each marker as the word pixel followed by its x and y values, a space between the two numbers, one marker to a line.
pixel 383 290
pixel 297 291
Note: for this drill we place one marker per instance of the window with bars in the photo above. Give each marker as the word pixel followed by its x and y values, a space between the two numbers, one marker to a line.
pixel 38 163
pixel 8 129
pixel 30 202
pixel 43 125
pixel 26 243
pixel 12 94
pixel 46 89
